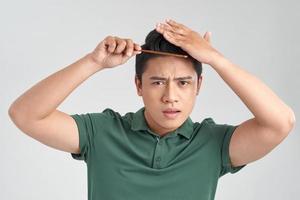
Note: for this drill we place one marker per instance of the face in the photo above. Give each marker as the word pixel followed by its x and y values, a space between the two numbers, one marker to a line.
pixel 168 83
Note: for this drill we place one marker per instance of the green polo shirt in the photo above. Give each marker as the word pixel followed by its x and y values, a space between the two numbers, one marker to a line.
pixel 126 160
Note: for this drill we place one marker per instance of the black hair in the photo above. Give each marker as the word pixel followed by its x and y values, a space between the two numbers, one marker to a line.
pixel 155 41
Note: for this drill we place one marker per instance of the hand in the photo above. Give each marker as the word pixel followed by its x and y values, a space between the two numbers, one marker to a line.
pixel 113 51
pixel 190 41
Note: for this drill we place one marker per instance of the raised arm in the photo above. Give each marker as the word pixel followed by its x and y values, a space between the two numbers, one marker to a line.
pixel 35 111
pixel 273 119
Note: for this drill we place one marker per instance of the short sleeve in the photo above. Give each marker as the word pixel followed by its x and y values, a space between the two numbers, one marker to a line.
pixel 89 126
pixel 85 131
pixel 226 162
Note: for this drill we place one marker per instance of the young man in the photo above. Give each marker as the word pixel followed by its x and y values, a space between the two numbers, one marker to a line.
pixel 157 152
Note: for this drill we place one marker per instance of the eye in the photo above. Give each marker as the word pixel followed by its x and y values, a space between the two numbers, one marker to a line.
pixel 157 83
pixel 184 82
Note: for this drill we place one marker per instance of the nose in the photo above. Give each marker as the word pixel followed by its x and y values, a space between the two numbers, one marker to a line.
pixel 170 94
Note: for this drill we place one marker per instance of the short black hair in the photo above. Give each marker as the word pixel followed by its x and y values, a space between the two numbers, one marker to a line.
pixel 155 41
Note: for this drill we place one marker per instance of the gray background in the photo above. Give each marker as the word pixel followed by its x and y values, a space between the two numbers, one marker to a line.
pixel 39 38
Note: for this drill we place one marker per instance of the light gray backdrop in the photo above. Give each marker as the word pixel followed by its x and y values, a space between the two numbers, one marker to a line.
pixel 39 38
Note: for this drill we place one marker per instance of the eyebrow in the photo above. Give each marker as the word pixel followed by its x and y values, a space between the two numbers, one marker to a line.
pixel 177 78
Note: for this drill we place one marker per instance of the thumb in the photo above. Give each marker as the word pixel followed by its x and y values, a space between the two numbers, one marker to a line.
pixel 207 36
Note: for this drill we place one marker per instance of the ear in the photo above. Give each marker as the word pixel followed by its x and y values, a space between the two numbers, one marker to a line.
pixel 199 84
pixel 138 85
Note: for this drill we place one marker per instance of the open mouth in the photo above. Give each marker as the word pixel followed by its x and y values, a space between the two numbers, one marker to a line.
pixel 171 114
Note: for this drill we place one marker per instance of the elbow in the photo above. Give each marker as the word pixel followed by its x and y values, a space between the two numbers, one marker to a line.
pixel 14 114
pixel 289 123
pixel 19 120
pixel 11 112
pixel 292 120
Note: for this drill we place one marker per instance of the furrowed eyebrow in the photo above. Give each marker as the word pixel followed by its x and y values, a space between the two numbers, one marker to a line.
pixel 177 78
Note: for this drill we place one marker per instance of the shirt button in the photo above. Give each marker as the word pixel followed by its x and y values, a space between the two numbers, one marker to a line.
pixel 158 159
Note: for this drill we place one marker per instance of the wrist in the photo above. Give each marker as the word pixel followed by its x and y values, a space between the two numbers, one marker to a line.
pixel 216 59
pixel 91 63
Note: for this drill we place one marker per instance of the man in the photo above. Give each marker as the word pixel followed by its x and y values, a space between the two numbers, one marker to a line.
pixel 157 152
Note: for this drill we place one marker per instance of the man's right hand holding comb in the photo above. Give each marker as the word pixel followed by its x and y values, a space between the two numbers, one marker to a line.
pixel 114 51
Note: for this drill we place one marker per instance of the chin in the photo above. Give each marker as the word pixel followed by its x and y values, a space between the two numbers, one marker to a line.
pixel 170 123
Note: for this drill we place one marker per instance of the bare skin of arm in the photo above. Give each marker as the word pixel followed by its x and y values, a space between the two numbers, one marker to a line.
pixel 273 120
pixel 35 111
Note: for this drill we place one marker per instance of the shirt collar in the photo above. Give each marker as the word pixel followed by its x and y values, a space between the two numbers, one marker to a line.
pixel 139 123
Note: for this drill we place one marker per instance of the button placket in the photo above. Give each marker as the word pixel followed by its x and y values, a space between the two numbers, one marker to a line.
pixel 157 152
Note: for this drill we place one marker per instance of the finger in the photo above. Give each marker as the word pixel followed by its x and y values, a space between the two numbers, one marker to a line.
pixel 129 47
pixel 111 43
pixel 137 49
pixel 166 27
pixel 176 25
pixel 207 36
pixel 176 30
pixel 171 37
pixel 121 45
pixel 162 28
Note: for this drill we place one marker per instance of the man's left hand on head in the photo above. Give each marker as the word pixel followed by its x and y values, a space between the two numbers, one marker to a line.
pixel 190 41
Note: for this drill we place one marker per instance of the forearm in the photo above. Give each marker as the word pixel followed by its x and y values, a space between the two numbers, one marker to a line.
pixel 44 97
pixel 269 110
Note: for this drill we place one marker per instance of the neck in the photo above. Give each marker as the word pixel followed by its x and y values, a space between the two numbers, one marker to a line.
pixel 155 127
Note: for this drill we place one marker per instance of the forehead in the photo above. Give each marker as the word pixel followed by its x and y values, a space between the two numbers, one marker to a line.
pixel 169 66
